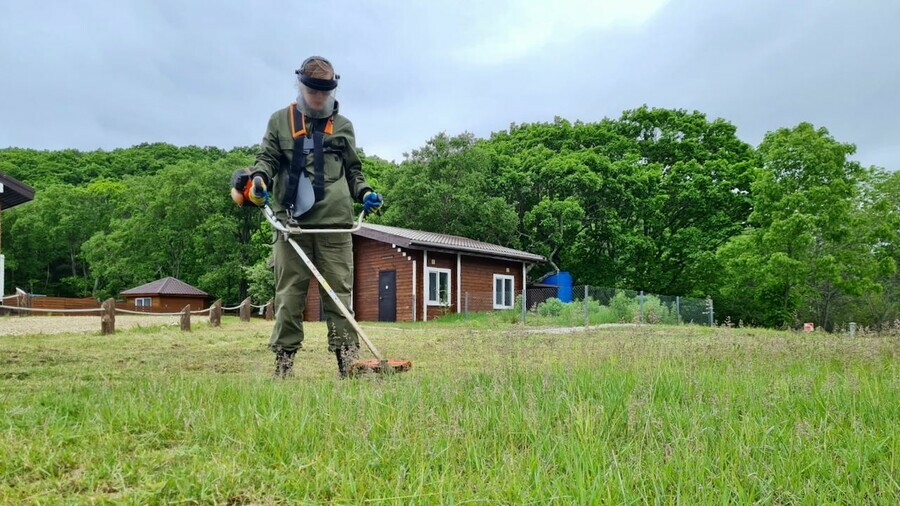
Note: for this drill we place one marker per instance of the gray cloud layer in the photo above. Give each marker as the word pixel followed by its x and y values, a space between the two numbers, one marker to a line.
pixel 108 74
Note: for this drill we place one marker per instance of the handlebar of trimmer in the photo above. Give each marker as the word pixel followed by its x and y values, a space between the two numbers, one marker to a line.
pixel 276 223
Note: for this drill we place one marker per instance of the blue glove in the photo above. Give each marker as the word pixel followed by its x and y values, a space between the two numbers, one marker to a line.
pixel 371 202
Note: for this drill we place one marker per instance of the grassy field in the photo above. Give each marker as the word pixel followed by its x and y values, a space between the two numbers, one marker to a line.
pixel 489 414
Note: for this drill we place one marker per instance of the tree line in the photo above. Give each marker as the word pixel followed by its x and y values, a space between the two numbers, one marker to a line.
pixel 665 201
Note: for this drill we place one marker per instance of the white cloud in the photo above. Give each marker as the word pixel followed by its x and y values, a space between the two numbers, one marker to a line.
pixel 520 28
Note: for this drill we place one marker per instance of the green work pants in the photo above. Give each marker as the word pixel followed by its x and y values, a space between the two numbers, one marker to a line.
pixel 332 254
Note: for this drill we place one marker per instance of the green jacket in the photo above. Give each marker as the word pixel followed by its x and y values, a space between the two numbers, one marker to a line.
pixel 344 180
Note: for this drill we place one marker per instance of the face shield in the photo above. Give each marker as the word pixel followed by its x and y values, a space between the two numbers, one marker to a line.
pixel 315 103
pixel 317 95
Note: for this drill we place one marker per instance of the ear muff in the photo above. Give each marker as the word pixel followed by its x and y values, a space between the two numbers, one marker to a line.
pixel 315 83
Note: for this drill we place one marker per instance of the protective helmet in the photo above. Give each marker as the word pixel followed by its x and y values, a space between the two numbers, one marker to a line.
pixel 317 81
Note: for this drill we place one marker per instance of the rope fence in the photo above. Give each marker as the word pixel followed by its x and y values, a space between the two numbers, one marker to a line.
pixel 45 310
pixel 108 310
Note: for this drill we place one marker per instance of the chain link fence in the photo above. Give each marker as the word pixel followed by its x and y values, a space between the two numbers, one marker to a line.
pixel 587 305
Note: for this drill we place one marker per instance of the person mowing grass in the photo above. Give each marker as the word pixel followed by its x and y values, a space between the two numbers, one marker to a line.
pixel 308 159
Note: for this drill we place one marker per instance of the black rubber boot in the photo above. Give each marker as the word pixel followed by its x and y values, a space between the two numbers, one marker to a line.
pixel 284 364
pixel 342 371
pixel 346 356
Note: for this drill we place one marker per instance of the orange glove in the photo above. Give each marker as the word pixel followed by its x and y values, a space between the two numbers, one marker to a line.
pixel 247 189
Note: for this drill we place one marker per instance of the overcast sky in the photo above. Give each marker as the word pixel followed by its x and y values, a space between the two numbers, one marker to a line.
pixel 108 74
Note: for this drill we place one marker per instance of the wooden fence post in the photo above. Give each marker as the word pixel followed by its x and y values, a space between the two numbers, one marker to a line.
pixel 215 314
pixel 23 300
pixel 108 317
pixel 245 310
pixel 186 318
pixel 270 310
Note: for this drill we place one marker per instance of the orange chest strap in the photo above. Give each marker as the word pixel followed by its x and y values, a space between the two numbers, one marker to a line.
pixel 299 119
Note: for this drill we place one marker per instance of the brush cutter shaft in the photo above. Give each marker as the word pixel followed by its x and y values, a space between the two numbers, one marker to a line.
pixel 287 231
pixel 334 297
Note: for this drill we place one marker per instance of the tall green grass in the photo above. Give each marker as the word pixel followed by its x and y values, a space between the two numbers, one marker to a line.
pixel 487 415
pixel 553 312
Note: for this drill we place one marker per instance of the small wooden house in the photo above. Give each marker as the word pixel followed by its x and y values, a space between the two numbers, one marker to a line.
pixel 412 275
pixel 12 193
pixel 166 295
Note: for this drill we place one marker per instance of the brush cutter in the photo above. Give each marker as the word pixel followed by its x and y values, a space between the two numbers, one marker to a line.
pixel 379 365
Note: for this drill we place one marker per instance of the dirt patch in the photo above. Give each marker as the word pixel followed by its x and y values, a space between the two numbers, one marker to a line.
pixel 20 326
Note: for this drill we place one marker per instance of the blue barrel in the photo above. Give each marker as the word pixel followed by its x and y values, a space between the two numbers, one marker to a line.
pixel 564 281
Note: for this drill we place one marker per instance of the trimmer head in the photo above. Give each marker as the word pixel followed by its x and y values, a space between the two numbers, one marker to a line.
pixel 362 367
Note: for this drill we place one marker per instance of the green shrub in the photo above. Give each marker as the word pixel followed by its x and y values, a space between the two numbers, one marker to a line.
pixel 655 311
pixel 551 307
pixel 572 313
pixel 601 314
pixel 624 307
pixel 261 282
pixel 517 305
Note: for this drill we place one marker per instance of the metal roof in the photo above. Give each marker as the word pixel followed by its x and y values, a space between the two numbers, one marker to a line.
pixel 418 239
pixel 14 192
pixel 167 286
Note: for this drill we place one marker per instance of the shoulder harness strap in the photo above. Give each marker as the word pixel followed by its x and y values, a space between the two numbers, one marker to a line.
pixel 303 145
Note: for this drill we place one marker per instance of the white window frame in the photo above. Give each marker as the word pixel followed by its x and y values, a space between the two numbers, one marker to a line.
pixel 512 291
pixel 138 302
pixel 440 272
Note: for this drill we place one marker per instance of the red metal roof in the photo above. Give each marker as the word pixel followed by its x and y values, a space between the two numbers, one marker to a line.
pixel 418 239
pixel 167 286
